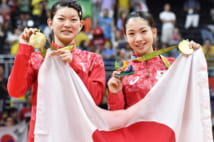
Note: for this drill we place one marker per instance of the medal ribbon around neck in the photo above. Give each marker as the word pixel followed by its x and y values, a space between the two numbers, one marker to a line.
pixel 183 46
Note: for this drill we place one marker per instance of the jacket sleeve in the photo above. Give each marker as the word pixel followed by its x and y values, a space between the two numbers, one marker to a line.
pixel 95 79
pixel 22 74
pixel 116 101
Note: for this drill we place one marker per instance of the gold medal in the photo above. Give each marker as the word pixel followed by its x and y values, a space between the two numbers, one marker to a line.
pixel 184 47
pixel 38 40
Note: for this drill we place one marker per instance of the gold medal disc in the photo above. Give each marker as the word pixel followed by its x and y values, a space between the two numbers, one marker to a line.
pixel 38 40
pixel 184 47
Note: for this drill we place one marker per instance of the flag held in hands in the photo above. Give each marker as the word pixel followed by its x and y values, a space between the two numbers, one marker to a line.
pixel 177 108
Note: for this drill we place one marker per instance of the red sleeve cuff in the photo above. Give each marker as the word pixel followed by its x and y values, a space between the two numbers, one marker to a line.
pixel 25 49
pixel 116 101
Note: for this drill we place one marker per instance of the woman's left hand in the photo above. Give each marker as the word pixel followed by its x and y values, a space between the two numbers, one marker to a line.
pixel 65 55
pixel 194 45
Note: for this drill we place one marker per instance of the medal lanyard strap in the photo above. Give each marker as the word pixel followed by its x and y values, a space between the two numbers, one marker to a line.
pixel 71 47
pixel 154 54
pixel 147 57
pixel 157 53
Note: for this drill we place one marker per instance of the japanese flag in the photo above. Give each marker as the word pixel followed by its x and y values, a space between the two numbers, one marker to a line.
pixel 177 109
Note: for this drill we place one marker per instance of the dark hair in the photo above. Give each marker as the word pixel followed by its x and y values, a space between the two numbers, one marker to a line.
pixel 82 43
pixel 144 15
pixel 66 3
pixel 12 110
pixel 5 119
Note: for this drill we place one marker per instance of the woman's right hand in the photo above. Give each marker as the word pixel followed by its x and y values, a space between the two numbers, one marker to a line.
pixel 25 36
pixel 115 85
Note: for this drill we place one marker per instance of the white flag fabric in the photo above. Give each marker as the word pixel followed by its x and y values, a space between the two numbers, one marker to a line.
pixel 177 108
pixel 17 133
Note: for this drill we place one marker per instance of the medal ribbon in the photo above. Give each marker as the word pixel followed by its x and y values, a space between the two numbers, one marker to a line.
pixel 145 58
pixel 154 54
pixel 71 47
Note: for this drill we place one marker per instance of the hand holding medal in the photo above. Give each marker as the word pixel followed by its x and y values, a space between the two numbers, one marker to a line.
pixel 187 47
pixel 38 41
pixel 124 71
pixel 184 47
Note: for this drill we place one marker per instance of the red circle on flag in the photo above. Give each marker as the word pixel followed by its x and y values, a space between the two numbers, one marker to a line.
pixel 7 138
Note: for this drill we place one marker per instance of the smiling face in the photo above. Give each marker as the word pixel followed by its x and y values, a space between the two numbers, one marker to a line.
pixel 140 35
pixel 65 25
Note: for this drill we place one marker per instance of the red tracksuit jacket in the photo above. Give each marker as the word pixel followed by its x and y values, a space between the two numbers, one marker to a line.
pixel 136 86
pixel 89 66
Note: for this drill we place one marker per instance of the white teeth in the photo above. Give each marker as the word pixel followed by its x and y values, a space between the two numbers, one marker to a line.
pixel 140 45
